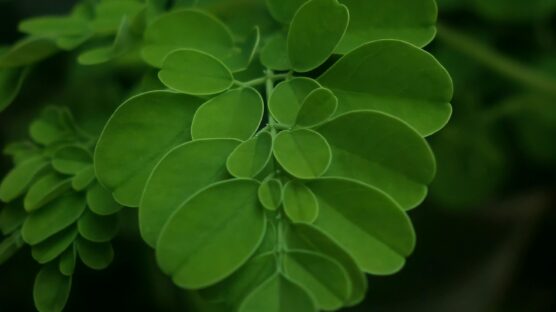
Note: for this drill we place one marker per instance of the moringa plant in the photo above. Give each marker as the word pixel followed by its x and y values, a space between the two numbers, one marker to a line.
pixel 272 148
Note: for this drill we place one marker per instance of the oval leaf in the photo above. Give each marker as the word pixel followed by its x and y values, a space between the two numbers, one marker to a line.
pixel 395 78
pixel 71 160
pixel 98 229
pixel 194 72
pixel 16 182
pixel 100 201
pixel 270 194
pixel 27 51
pixel 137 135
pixel 250 157
pixel 96 256
pixel 284 10
pixel 235 114
pixel 303 153
pixel 182 172
pixel 288 97
pixel 300 204
pixel 51 289
pixel 381 151
pixel 51 248
pixel 317 107
pixel 315 31
pixel 44 190
pixel 349 209
pixel 274 53
pixel 11 80
pixel 222 218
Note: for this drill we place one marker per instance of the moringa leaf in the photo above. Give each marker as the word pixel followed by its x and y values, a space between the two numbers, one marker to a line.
pixel 300 204
pixel 100 201
pixel 161 36
pixel 11 80
pixel 51 289
pixel 55 26
pixel 288 97
pixel 196 73
pixel 83 178
pixel 71 160
pixel 284 10
pixel 44 190
pixel 181 173
pixel 27 51
pixel 349 209
pixel 11 219
pixel 330 290
pixel 315 31
pixel 16 182
pixel 96 256
pixel 53 218
pixel 137 135
pixel 412 21
pixel 234 114
pixel 317 107
pixel 274 53
pixel 54 246
pixel 96 228
pixel 278 294
pixel 242 56
pixel 109 14
pixel 223 225
pixel 303 153
pixel 381 151
pixel 67 261
pixel 370 77
pixel 250 157
pixel 271 194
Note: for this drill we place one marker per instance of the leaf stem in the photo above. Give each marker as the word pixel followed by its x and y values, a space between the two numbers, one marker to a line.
pixel 263 80
pixel 497 62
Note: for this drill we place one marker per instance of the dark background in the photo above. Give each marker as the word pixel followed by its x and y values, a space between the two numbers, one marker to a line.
pixel 485 235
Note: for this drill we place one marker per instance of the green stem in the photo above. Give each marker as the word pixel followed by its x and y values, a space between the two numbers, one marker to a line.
pixel 263 80
pixel 496 61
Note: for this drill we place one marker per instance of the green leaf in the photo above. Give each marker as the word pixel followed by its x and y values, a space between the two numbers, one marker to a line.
pixel 11 218
pixel 181 173
pixel 162 37
pixel 323 277
pixel 83 178
pixel 96 256
pixel 396 78
pixel 300 204
pixel 315 31
pixel 137 135
pixel 381 151
pixel 16 182
pixel 271 194
pixel 51 290
pixel 223 217
pixel 9 246
pixel 278 294
pixel 54 246
pixel 194 72
pixel 67 261
pixel 274 53
pixel 54 125
pixel 71 160
pixel 284 10
pixel 303 153
pixel 250 157
pixel 242 56
pixel 21 151
pixel 109 14
pixel 288 97
pixel 349 209
pixel 235 114
pixel 51 219
pixel 55 26
pixel 27 51
pixel 317 107
pixel 11 80
pixel 100 201
pixel 412 21
pixel 44 190
pixel 123 43
pixel 96 228
pixel 307 237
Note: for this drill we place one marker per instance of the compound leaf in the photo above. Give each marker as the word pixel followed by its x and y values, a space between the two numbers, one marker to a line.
pixel 303 153
pixel 235 114
pixel 137 135
pixel 370 78
pixel 182 172
pixel 315 31
pixel 250 157
pixel 195 72
pixel 223 226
